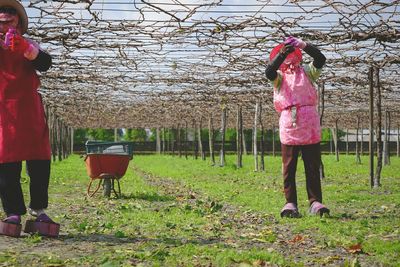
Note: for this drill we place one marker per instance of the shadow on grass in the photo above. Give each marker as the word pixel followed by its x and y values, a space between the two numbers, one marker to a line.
pixel 152 197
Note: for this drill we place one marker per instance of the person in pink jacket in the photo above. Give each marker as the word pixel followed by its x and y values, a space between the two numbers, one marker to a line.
pixel 24 135
pixel 295 98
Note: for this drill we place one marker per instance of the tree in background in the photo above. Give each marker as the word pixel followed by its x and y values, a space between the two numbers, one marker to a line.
pixel 80 136
pixel 138 135
pixel 101 134
pixel 327 135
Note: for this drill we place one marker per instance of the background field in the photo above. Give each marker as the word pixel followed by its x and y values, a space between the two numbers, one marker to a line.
pixel 184 212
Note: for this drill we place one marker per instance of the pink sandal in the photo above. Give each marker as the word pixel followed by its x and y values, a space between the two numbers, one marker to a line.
pixel 318 208
pixel 290 211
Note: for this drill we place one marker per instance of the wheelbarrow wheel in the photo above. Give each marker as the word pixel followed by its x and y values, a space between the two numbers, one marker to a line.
pixel 107 187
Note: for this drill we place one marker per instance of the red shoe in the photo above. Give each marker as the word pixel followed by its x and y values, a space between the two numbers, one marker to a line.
pixel 11 226
pixel 42 225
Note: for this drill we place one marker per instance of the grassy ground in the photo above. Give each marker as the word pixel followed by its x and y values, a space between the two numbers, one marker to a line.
pixel 184 212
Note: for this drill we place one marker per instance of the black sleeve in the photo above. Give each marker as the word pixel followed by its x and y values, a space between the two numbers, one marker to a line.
pixel 42 62
pixel 315 53
pixel 273 66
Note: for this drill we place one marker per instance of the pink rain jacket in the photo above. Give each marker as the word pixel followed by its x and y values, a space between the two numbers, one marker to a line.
pixel 295 98
pixel 24 134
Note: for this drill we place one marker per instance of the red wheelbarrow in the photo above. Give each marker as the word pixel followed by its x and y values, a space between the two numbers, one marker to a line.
pixel 107 162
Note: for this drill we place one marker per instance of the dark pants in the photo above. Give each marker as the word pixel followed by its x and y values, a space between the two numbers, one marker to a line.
pixel 311 155
pixel 10 186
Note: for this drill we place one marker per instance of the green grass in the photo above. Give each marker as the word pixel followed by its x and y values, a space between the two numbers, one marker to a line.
pixel 184 212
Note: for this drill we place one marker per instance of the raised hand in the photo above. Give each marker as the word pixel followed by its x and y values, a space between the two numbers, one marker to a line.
pixel 296 42
pixel 287 49
pixel 18 44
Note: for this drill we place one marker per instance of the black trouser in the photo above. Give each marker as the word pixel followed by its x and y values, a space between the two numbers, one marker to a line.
pixel 10 186
pixel 311 155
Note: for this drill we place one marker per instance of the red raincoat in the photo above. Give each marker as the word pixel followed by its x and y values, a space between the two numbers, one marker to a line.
pixel 24 134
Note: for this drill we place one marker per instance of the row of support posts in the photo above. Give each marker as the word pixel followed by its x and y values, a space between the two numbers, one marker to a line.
pixel 60 135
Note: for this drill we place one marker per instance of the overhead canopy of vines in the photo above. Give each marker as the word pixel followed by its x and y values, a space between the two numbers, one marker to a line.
pixel 132 64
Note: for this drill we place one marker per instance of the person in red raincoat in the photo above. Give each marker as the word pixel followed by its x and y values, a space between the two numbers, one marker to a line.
pixel 24 135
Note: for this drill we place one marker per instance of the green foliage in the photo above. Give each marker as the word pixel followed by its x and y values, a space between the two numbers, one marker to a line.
pixel 102 134
pixel 80 136
pixel 326 134
pixel 138 135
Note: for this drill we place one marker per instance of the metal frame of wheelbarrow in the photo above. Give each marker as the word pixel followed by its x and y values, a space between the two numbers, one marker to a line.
pixel 102 180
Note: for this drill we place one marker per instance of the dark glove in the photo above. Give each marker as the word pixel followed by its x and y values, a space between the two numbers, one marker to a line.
pixel 286 50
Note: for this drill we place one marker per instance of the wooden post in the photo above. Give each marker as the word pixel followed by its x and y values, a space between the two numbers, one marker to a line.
pixel 262 165
pixel 371 125
pixel 179 143
pixel 385 140
pixel 163 141
pixel 398 140
pixel 244 140
pixel 389 127
pixel 358 159
pixel 72 140
pixel 186 140
pixel 377 178
pixel 273 141
pixel 200 141
pixel 255 153
pixel 211 139
pixel 239 142
pixel 336 139
pixel 321 105
pixel 115 134
pixel 347 141
pixel 60 139
pixel 194 143
pixel 223 129
pixel 362 140
pixel 158 141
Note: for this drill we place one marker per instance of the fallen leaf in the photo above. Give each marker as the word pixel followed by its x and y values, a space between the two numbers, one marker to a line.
pixel 297 238
pixel 355 249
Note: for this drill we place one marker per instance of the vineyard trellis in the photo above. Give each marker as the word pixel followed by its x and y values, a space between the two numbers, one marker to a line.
pixel 170 64
pixel 155 64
